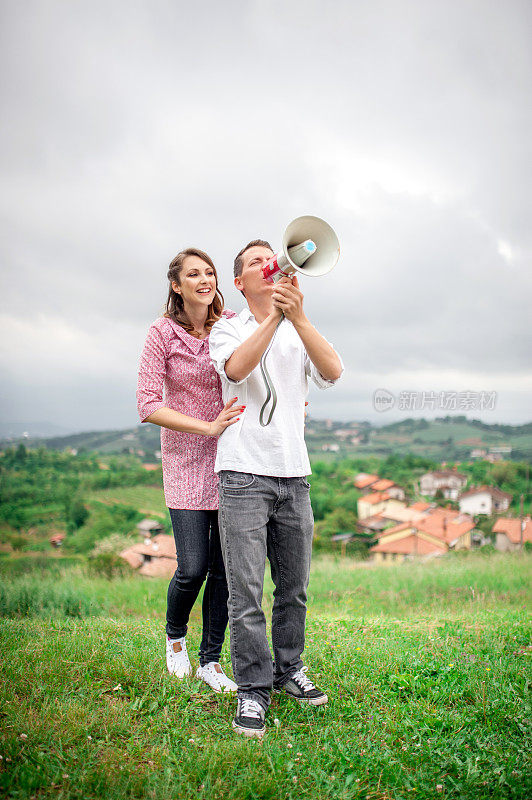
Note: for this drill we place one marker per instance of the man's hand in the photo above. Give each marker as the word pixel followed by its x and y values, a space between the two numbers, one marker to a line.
pixel 288 298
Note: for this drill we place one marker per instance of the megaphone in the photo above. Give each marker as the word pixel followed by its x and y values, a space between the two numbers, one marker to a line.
pixel 310 246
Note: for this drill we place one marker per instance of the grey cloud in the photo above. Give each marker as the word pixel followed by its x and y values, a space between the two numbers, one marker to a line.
pixel 133 130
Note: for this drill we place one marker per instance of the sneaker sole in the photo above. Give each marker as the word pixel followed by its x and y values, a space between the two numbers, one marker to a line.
pixel 258 733
pixel 180 675
pixel 218 690
pixel 311 701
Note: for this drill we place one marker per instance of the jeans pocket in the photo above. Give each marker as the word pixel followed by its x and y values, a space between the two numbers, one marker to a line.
pixel 305 483
pixel 232 481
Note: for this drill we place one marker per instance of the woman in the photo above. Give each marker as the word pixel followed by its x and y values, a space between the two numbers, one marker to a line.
pixel 192 416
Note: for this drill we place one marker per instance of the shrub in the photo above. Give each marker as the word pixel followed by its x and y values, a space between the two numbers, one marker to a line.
pixel 108 565
pixel 25 597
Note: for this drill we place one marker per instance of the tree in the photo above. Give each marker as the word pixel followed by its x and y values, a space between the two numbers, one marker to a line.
pixel 77 513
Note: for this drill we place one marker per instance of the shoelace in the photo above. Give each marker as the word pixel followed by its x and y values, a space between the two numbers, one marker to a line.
pixel 250 708
pixel 301 679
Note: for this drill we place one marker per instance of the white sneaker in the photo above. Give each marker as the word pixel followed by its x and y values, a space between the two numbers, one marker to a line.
pixel 213 674
pixel 177 659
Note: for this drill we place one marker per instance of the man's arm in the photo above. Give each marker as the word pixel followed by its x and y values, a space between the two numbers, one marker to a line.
pixel 289 299
pixel 247 355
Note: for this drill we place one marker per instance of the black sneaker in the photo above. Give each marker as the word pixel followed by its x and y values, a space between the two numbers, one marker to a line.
pixel 249 718
pixel 302 689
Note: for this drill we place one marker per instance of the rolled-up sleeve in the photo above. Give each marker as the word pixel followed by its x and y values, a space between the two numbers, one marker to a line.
pixel 317 377
pixel 223 341
pixel 152 371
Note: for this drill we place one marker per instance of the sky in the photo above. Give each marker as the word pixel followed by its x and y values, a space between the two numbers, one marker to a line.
pixel 131 130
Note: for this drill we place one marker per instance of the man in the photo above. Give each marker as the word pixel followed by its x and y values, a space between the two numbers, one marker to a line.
pixel 264 496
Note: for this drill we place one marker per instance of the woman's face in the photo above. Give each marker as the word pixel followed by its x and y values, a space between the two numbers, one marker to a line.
pixel 197 282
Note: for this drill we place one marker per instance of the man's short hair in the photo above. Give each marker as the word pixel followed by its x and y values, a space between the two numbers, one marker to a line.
pixel 239 262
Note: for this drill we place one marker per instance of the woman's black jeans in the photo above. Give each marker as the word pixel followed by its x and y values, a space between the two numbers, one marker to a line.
pixel 199 556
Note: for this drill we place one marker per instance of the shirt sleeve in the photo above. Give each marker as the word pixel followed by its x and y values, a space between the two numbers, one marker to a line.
pixel 316 376
pixel 223 341
pixel 152 372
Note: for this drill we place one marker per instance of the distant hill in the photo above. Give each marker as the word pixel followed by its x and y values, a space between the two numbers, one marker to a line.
pixel 442 439
pixel 445 438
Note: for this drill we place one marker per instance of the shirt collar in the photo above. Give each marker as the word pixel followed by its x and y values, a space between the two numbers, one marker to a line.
pixel 191 342
pixel 246 315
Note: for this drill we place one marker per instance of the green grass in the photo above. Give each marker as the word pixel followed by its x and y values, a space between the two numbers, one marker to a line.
pixel 147 499
pixel 427 668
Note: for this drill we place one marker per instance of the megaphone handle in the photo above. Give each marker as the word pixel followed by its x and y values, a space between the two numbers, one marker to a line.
pixel 270 388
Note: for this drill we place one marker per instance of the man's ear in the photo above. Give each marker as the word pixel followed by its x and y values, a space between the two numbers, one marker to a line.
pixel 238 283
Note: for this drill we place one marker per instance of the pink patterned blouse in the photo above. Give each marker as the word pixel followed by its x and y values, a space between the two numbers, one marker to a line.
pixel 179 363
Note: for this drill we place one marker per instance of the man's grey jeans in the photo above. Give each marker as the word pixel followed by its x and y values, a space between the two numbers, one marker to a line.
pixel 263 516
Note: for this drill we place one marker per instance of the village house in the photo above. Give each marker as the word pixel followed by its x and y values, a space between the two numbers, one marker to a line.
pixel 405 542
pixel 448 482
pixel 391 516
pixel 369 484
pixel 404 513
pixel 373 525
pixel 364 481
pixel 377 502
pixel 433 533
pixel 385 485
pixel 507 532
pixel 454 528
pixel 478 453
pixel 484 500
pixel 150 527
pixel 154 557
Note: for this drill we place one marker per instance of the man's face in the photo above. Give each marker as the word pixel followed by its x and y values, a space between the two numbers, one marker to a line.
pixel 251 280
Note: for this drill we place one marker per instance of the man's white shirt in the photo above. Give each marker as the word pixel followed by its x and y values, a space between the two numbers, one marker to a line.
pixel 278 449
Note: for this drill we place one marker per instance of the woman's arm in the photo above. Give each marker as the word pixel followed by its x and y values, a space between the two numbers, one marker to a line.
pixel 176 421
pixel 150 403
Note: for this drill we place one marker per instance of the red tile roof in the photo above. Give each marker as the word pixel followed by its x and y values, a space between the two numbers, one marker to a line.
pixel 496 494
pixel 512 528
pixel 363 480
pixel 375 497
pixel 134 559
pixel 160 546
pixel 445 527
pixel 382 485
pixel 409 545
pixel 420 506
pixel 158 568
pixel 396 528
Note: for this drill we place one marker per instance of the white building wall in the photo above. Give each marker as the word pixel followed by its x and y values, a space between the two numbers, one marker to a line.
pixel 476 504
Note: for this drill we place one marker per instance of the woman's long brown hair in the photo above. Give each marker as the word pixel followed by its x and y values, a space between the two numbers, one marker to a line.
pixel 175 308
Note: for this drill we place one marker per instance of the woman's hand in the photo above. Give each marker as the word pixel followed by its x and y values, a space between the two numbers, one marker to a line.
pixel 227 416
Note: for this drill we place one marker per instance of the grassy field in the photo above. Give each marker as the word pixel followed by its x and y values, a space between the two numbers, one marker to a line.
pixel 148 500
pixel 428 670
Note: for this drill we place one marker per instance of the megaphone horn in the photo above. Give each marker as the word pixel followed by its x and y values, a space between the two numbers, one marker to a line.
pixel 310 246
